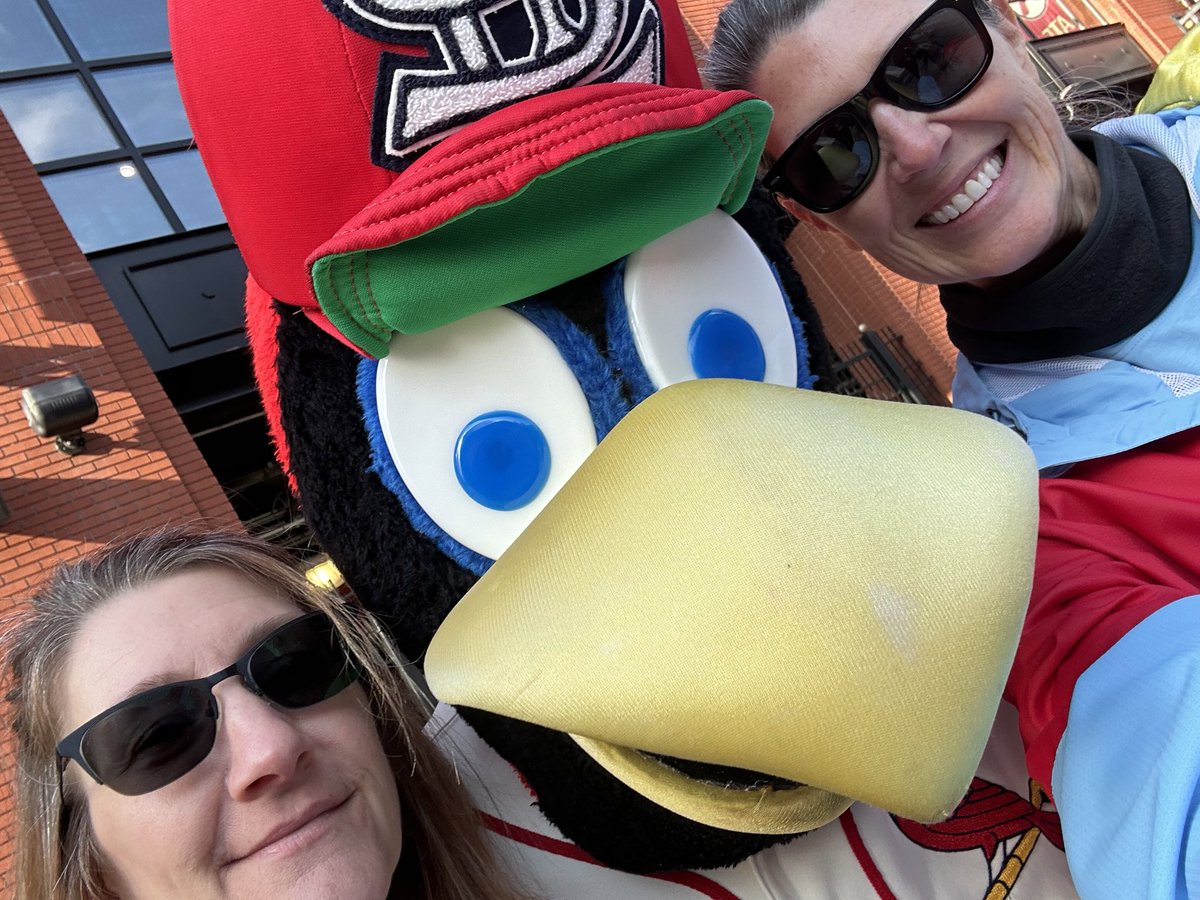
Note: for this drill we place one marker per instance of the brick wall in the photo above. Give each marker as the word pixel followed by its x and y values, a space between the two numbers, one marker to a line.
pixel 1148 22
pixel 850 290
pixel 140 468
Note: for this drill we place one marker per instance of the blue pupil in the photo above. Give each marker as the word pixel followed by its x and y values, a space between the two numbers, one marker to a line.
pixel 724 345
pixel 502 460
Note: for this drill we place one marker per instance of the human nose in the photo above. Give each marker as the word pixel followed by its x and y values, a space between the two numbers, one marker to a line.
pixel 263 745
pixel 910 142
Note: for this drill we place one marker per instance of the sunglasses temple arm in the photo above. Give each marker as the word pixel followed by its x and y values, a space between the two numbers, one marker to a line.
pixel 59 765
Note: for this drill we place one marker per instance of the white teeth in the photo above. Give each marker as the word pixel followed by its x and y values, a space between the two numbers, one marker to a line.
pixel 975 190
pixel 972 192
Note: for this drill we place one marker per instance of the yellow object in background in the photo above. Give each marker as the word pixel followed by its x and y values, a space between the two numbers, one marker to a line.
pixel 1176 82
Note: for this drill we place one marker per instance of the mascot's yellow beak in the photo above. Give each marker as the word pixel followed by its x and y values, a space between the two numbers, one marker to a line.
pixel 824 590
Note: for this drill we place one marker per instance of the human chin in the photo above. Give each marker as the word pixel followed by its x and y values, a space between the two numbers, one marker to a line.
pixel 1012 243
pixel 343 858
pixel 1025 251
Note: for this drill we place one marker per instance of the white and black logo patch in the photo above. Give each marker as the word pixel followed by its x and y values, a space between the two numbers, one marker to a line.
pixel 472 57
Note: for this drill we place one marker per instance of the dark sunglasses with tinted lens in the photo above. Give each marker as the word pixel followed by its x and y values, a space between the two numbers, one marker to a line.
pixel 934 63
pixel 154 737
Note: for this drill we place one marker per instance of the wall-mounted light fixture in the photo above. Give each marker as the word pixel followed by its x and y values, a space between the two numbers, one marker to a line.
pixel 60 409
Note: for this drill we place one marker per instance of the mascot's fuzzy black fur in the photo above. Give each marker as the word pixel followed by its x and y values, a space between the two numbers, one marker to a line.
pixel 518 213
pixel 411 584
pixel 306 116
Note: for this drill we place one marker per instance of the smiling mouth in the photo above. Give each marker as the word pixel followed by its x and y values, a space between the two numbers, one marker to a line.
pixel 969 192
pixel 291 832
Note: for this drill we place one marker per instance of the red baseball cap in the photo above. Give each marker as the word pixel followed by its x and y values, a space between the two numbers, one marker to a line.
pixel 391 166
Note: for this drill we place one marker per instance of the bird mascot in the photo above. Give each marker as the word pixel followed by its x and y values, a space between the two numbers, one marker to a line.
pixel 540 370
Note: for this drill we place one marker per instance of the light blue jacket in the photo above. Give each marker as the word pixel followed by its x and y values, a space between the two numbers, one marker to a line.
pixel 1130 393
pixel 1126 776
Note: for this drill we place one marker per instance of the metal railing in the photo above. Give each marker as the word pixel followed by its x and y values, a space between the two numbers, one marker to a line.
pixel 882 368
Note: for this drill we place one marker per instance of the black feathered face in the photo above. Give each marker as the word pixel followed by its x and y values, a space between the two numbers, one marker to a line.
pixel 417 471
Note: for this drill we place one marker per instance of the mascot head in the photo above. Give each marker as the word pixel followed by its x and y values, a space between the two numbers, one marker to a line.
pixel 519 333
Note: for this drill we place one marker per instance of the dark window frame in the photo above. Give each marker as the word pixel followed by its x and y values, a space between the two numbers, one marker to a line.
pixel 127 149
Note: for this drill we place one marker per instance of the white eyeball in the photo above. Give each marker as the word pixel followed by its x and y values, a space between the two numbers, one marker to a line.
pixel 702 302
pixel 484 422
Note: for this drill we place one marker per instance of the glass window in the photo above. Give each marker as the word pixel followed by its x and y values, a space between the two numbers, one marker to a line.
pixel 106 206
pixel 146 100
pixel 26 39
pixel 55 117
pixel 114 27
pixel 183 179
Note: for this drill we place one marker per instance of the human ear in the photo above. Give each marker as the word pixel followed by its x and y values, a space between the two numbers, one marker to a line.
pixel 1009 27
pixel 821 225
pixel 1004 10
pixel 810 218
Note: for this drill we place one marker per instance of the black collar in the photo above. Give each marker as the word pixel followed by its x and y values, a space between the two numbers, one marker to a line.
pixel 1127 267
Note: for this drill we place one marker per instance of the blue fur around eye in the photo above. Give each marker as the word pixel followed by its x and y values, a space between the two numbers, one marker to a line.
pixel 502 460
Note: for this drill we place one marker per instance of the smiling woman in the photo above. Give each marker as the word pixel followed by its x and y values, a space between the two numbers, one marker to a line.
pixel 1067 268
pixel 950 96
pixel 194 719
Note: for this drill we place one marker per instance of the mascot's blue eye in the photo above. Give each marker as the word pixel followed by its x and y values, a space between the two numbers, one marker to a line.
pixel 724 345
pixel 502 460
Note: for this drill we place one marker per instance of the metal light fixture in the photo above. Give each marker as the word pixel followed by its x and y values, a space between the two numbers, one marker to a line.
pixel 60 409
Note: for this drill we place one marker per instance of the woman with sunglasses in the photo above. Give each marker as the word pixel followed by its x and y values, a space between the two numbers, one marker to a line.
pixel 194 719
pixel 1066 268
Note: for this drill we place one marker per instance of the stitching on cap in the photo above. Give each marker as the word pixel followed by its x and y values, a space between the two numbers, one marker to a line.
pixel 663 104
pixel 524 141
pixel 349 262
pixel 337 295
pixel 366 261
pixel 516 162
pixel 603 104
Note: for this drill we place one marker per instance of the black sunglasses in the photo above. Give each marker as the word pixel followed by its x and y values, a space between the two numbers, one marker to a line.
pixel 935 62
pixel 154 737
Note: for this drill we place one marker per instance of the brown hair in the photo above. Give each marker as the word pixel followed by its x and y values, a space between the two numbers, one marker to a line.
pixel 56 856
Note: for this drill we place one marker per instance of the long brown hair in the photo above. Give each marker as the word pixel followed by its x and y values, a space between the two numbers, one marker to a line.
pixel 445 849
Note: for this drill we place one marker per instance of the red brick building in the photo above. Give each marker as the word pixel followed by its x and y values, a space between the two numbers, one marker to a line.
pixel 139 467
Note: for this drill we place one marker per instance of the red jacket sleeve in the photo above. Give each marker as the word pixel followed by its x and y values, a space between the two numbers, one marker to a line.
pixel 1118 539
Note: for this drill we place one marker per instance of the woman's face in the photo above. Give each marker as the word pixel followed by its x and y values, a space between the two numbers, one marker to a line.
pixel 1046 190
pixel 289 803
